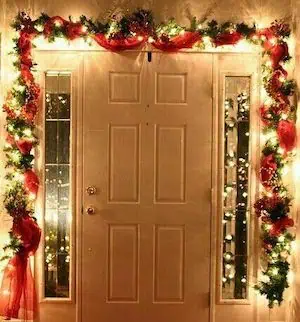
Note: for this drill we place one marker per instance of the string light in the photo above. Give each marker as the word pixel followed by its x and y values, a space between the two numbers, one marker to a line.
pixel 57 23
pixel 236 112
pixel 84 29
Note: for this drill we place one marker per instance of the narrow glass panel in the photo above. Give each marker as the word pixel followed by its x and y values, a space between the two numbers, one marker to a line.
pixel 57 185
pixel 235 196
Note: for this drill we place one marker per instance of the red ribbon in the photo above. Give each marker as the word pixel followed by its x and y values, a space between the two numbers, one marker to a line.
pixel 17 294
pixel 187 40
pixel 116 44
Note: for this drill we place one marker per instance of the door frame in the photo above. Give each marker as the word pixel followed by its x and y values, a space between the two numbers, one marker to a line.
pixel 78 91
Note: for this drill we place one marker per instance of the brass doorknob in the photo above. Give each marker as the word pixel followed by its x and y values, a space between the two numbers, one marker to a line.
pixel 90 210
pixel 91 190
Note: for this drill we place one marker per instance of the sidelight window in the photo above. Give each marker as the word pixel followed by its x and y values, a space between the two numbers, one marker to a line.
pixel 235 203
pixel 58 211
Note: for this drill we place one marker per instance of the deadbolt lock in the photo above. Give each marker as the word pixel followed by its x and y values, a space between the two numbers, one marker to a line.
pixel 90 210
pixel 91 190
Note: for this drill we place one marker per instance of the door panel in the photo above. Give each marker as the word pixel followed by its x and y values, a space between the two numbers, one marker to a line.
pixel 147 136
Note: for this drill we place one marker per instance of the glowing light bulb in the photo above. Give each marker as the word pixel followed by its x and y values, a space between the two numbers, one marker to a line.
pixel 275 271
pixel 19 176
pixel 228 237
pixel 269 135
pixel 39 27
pixel 57 23
pixel 227 256
pixel 140 38
pixel 231 164
pixel 19 88
pixel 84 29
pixel 231 276
pixel 243 280
pixel 281 239
pixel 269 63
pixel 14 101
pixel 27 132
pixel 268 226
pixel 150 40
pixel 224 279
pixel 206 40
pixel 282 79
pixel 265 278
pixel 273 41
pixel 89 41
pixel 32 196
pixel 15 155
pixel 229 189
pixel 285 170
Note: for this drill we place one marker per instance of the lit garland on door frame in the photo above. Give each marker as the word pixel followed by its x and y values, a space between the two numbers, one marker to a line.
pixel 133 31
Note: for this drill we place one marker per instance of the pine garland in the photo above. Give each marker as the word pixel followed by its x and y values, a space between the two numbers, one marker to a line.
pixel 132 31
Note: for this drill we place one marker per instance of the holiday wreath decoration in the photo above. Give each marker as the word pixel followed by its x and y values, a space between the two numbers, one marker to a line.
pixel 128 32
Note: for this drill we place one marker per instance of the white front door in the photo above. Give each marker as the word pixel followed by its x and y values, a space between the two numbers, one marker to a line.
pixel 147 145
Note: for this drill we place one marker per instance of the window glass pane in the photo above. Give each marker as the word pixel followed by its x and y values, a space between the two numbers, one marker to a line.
pixel 236 174
pixel 57 185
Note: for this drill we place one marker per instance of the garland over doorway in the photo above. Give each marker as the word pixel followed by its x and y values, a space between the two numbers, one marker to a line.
pixel 132 31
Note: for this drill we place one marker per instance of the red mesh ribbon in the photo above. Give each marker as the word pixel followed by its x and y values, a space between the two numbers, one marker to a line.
pixel 187 40
pixel 118 44
pixel 17 294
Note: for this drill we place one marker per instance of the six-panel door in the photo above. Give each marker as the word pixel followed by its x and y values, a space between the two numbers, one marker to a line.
pixel 147 136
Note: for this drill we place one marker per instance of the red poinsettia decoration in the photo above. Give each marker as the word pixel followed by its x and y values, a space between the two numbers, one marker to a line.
pixel 267 246
pixel 10 113
pixel 24 146
pixel 31 181
pixel 265 205
pixel 26 74
pixel 10 139
pixel 75 30
pixel 25 42
pixel 281 225
pixel 227 38
pixel 286 131
pixel 52 22
pixel 265 115
pixel 268 167
pixel 274 86
pixel 279 53
pixel 29 111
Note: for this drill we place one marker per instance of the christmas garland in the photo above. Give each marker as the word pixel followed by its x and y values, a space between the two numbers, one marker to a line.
pixel 133 31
